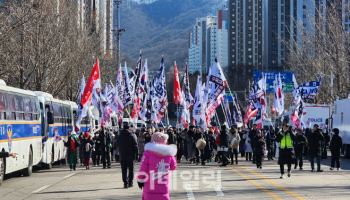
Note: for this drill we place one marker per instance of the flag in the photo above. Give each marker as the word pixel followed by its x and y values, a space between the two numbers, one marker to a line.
pixel 92 86
pixel 146 110
pixel 146 101
pixel 236 112
pixel 251 112
pixel 216 85
pixel 198 102
pixel 138 92
pixel 177 94
pixel 296 116
pixel 186 89
pixel 279 96
pixel 81 88
pixel 144 78
pixel 159 95
pixel 185 114
pixel 227 112
pixel 117 104
pixel 127 88
pixel 309 90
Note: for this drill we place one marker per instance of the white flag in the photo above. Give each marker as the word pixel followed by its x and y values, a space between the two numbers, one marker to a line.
pixel 279 96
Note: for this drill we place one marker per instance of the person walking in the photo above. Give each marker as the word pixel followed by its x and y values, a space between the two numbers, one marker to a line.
pixel 87 145
pixel 141 143
pixel 223 145
pixel 299 146
pixel 172 136
pixel 72 145
pixel 242 142
pixel 315 141
pixel 128 148
pixel 270 143
pixel 335 147
pixel 235 141
pixel 190 144
pixel 154 173
pixel 96 153
pixel 247 147
pixel 259 148
pixel 198 152
pixel 180 145
pixel 253 140
pixel 286 150
pixel 105 139
pixel 81 149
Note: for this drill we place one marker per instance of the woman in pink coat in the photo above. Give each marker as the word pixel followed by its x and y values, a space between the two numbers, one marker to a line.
pixel 157 162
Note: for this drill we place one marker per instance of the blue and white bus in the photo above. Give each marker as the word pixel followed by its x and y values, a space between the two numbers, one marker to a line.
pixel 91 122
pixel 20 130
pixel 57 121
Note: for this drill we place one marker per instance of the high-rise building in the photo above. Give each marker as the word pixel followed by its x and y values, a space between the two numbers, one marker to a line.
pixel 211 42
pixel 208 41
pixel 222 38
pixel 346 14
pixel 245 40
pixel 98 15
pixel 202 49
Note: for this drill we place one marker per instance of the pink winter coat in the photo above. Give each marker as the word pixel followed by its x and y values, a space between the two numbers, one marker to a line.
pixel 157 162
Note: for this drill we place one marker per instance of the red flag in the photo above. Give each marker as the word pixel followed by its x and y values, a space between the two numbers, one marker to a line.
pixel 177 88
pixel 249 114
pixel 93 78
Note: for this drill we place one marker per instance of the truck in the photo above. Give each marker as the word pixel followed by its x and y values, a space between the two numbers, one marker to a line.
pixel 341 120
pixel 316 114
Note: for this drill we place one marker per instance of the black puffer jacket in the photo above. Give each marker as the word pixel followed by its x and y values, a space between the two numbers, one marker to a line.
pixel 316 142
pixel 336 145
pixel 127 144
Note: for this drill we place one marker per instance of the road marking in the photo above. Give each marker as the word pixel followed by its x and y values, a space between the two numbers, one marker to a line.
pixel 219 192
pixel 40 189
pixel 69 175
pixel 276 185
pixel 188 188
pixel 47 186
pixel 258 186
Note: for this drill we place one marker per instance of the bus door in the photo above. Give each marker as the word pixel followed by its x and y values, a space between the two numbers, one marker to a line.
pixel 49 118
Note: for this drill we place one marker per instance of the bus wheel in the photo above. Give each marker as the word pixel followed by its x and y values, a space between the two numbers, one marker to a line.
pixel 2 170
pixel 29 170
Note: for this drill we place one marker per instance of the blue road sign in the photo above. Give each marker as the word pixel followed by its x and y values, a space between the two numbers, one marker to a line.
pixel 287 80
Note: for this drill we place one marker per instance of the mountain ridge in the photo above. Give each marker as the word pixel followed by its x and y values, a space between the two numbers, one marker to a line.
pixel 161 28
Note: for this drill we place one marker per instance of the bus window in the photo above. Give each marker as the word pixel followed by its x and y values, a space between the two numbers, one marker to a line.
pixel 2 106
pixel 49 114
pixel 2 103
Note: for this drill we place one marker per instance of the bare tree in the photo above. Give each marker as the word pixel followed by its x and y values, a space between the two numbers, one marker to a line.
pixel 324 53
pixel 43 48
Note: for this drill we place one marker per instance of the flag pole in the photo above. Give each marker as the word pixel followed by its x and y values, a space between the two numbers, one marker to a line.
pixel 217 118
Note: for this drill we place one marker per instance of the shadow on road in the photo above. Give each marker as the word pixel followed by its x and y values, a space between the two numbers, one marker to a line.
pixel 74 191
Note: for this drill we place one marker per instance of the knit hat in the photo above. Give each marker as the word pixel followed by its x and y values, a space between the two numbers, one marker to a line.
pixel 160 138
pixel 86 135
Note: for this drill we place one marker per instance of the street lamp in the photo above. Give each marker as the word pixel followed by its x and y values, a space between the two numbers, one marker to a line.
pixel 119 30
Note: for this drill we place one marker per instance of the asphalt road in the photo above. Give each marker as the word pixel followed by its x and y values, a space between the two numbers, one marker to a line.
pixel 190 182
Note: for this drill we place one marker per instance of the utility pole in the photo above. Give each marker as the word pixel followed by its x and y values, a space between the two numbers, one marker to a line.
pixel 119 30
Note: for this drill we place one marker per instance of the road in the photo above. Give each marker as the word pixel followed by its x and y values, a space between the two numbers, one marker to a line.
pixel 190 182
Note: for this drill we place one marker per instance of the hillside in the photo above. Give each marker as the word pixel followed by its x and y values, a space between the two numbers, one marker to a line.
pixel 161 28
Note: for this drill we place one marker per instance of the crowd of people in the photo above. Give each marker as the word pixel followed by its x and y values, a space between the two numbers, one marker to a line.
pixel 159 150
pixel 223 145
